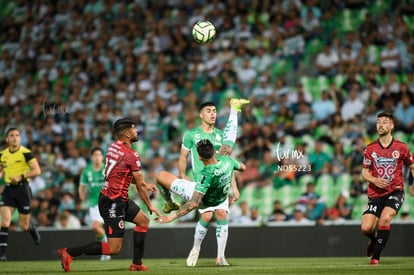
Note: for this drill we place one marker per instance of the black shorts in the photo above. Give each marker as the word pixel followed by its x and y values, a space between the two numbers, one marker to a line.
pixel 17 196
pixel 114 213
pixel 394 200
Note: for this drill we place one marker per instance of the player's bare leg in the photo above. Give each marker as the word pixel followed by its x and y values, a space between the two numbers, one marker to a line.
pixel 164 180
pixel 368 225
pixel 26 225
pixel 230 131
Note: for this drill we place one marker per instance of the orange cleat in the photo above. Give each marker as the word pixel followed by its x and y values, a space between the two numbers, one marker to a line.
pixel 374 262
pixel 136 267
pixel 65 258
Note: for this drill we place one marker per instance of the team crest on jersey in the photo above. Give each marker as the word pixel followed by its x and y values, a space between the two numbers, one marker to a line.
pixel 395 154
pixel 374 155
pixel 218 137
pixel 121 224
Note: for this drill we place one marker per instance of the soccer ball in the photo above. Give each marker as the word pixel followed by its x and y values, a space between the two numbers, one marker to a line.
pixel 204 32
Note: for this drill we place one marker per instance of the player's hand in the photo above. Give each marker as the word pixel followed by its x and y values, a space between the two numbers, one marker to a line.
pixel 16 179
pixel 152 188
pixel 236 195
pixel 381 183
pixel 411 190
pixel 163 219
pixel 154 209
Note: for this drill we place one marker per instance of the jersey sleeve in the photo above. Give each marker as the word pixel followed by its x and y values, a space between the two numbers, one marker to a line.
pixel 408 158
pixel 236 164
pixel 367 159
pixel 187 141
pixel 133 162
pixel 203 185
pixel 84 177
pixel 29 157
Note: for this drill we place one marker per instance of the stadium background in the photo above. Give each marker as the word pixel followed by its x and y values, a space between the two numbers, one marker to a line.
pixel 68 69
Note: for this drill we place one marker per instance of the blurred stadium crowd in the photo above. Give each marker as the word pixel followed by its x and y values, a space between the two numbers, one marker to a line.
pixel 316 72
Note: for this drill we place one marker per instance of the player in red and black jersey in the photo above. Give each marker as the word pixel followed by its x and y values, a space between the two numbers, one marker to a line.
pixel 123 166
pixel 383 169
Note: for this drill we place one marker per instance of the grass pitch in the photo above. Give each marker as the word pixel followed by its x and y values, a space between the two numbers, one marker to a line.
pixel 354 265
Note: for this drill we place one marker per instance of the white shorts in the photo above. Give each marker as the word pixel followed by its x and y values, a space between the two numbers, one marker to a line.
pixel 185 188
pixel 94 215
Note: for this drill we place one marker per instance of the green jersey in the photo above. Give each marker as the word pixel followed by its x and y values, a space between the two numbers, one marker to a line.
pixel 93 181
pixel 216 180
pixel 190 139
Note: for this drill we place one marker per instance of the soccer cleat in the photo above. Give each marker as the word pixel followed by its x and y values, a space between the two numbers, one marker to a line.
pixel 65 258
pixel 167 208
pixel 35 235
pixel 3 258
pixel 370 248
pixel 105 257
pixel 237 104
pixel 136 267
pixel 193 257
pixel 222 262
pixel 374 262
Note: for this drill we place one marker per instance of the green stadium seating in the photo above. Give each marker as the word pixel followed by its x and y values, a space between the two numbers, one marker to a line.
pixel 304 180
pixel 401 136
pixel 287 194
pixel 265 202
pixel 360 204
pixel 339 79
pixel 281 67
pixel 314 47
pixel 343 182
pixel 325 187
pixel 347 22
pixel 379 6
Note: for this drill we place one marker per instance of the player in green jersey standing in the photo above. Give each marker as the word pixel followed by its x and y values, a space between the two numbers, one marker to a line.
pixel 90 187
pixel 223 142
pixel 211 192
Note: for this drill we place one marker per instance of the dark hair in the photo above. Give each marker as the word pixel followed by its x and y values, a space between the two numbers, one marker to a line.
pixel 206 104
pixel 205 149
pixel 96 149
pixel 11 129
pixel 386 114
pixel 122 124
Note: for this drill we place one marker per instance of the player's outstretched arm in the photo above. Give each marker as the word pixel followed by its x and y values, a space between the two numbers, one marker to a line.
pixel 142 189
pixel 186 208
pixel 182 163
pixel 235 189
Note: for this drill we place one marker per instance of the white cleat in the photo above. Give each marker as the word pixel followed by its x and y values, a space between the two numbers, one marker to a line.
pixel 222 262
pixel 105 257
pixel 193 257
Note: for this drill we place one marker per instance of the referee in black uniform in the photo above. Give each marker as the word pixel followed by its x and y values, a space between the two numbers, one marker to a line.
pixel 17 165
